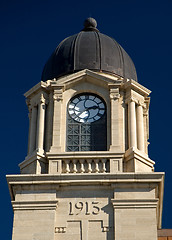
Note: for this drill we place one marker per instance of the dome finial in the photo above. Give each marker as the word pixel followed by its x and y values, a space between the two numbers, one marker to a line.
pixel 90 24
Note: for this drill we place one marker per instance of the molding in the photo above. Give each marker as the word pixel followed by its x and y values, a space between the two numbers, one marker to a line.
pixel 131 84
pixel 58 94
pixel 83 155
pixel 35 205
pixel 85 179
pixel 134 203
pixel 41 85
pixel 132 153
pixel 114 91
pixel 69 79
pixel 31 158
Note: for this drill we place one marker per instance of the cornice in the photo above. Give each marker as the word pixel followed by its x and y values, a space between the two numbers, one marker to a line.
pixel 86 179
pixel 40 86
pixel 131 84
pixel 69 79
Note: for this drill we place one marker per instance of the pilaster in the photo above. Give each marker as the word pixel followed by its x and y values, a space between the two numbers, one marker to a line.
pixel 57 104
pixel 115 131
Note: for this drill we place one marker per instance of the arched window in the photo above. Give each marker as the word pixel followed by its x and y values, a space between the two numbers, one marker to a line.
pixel 86 123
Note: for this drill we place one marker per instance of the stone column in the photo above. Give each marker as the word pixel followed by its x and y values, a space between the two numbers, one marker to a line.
pixel 40 125
pixel 57 97
pixel 114 97
pixel 132 124
pixel 49 123
pixel 140 127
pixel 32 140
pixel 29 116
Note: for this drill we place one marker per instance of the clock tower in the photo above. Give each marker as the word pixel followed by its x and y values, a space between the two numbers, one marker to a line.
pixel 87 174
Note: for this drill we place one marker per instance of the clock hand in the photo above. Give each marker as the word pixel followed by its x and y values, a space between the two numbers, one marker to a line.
pixel 93 107
pixel 79 113
pixel 88 108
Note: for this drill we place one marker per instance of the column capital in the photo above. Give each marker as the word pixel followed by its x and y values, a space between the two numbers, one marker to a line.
pixel 131 99
pixel 58 94
pixel 43 99
pixel 114 92
pixel 28 102
pixel 33 104
pixel 141 103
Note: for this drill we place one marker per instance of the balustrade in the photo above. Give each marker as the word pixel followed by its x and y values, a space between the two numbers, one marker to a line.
pixel 85 165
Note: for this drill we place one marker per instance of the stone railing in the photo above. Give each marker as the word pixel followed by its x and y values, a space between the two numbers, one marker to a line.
pixel 85 163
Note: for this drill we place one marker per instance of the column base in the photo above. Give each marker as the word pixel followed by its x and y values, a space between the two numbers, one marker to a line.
pixel 35 163
pixel 137 161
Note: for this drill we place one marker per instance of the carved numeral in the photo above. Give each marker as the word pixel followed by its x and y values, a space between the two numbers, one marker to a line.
pixel 96 209
pixel 86 208
pixel 70 209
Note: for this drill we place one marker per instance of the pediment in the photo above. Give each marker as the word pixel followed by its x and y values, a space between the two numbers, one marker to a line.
pixel 87 75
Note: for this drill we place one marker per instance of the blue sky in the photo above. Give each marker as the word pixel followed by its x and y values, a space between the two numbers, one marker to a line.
pixel 30 31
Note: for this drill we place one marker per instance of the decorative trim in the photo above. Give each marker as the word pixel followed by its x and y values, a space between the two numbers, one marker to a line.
pixel 114 91
pixel 31 158
pixel 132 153
pixel 85 179
pixel 131 99
pixel 131 84
pixel 134 203
pixel 58 94
pixel 105 229
pixel 60 229
pixel 34 205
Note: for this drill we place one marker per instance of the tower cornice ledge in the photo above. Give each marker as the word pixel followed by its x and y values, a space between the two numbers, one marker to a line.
pixel 131 84
pixel 155 177
pixel 40 86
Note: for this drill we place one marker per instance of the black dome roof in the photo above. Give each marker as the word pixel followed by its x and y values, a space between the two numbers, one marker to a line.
pixel 89 49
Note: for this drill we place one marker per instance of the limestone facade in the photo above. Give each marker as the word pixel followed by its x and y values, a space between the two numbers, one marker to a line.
pixel 112 194
pixel 100 206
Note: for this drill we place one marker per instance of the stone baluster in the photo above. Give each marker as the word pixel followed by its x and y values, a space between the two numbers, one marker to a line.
pixel 140 127
pixel 74 165
pixel 82 170
pixel 89 161
pixel 32 140
pixel 96 165
pixel 67 164
pixel 103 165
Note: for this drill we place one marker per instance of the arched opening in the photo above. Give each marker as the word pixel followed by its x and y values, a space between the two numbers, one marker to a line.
pixel 86 123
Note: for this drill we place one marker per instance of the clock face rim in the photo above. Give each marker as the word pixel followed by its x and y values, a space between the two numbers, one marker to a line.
pixel 97 110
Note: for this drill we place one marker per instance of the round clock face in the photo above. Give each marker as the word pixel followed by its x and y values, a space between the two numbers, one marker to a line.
pixel 86 108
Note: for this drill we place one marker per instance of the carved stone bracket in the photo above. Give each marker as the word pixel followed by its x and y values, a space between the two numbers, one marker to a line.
pixel 114 93
pixel 58 94
pixel 114 96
